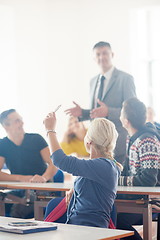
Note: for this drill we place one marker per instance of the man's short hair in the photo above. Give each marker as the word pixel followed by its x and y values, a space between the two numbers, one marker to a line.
pixel 135 112
pixel 102 44
pixel 4 115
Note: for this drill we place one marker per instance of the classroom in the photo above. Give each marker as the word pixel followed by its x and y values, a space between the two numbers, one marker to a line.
pixel 80 119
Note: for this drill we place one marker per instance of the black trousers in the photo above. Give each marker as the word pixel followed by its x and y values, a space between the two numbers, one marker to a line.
pixel 126 220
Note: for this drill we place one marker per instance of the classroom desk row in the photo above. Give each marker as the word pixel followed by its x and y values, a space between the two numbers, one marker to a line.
pixel 66 232
pixel 130 206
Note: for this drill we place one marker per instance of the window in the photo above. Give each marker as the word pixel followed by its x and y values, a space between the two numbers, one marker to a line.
pixel 145 56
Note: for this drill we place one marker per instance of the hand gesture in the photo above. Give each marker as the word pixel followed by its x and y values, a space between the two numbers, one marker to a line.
pixel 99 112
pixel 75 111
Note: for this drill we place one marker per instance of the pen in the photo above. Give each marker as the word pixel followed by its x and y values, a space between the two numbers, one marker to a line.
pixel 57 108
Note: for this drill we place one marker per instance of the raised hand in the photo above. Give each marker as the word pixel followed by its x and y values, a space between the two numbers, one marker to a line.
pixel 50 121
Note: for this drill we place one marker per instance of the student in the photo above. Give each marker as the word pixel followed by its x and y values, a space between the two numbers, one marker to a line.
pixel 151 118
pixel 73 139
pixel 95 188
pixel 143 157
pixel 26 154
pixel 108 90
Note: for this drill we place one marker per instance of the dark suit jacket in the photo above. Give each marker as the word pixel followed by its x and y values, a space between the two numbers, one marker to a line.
pixel 120 88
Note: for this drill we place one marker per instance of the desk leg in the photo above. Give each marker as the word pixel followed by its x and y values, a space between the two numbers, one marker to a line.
pixel 147 223
pixel 158 227
pixel 39 209
pixel 2 208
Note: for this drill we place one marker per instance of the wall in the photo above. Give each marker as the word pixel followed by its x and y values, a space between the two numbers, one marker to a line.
pixel 46 52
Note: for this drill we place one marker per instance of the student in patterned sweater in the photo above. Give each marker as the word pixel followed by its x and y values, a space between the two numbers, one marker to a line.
pixel 143 157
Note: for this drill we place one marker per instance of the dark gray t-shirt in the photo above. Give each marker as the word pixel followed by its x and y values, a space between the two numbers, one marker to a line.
pixel 24 159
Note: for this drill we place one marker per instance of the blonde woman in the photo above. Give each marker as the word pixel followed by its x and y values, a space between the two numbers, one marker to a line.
pixel 95 186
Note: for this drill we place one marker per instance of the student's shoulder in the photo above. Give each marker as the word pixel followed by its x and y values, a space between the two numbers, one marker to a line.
pixel 106 163
pixel 3 141
pixel 147 139
pixel 4 146
pixel 33 136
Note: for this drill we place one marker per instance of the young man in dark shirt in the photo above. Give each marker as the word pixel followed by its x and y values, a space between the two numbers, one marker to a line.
pixel 26 155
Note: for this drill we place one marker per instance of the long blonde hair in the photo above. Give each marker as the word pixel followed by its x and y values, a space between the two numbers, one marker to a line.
pixel 103 134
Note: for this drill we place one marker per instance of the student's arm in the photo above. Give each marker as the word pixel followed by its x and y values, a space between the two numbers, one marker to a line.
pixel 12 177
pixel 60 159
pixel 147 177
pixel 50 171
pixel 94 169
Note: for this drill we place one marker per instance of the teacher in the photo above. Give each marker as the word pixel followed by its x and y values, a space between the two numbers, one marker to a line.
pixel 108 90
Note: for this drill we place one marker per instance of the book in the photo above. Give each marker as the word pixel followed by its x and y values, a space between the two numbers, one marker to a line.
pixel 23 227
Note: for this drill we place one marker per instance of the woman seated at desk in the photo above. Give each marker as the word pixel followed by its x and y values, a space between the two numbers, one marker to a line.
pixel 95 188
pixel 73 139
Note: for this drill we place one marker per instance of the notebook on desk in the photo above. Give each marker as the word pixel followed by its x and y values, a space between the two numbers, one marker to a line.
pixel 27 227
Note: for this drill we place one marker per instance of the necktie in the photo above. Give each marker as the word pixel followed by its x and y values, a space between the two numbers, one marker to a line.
pixel 100 92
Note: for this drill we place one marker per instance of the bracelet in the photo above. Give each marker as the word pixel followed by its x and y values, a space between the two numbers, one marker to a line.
pixel 48 131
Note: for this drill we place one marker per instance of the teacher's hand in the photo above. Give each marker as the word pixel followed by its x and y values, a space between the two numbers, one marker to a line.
pixel 99 112
pixel 75 111
pixel 50 121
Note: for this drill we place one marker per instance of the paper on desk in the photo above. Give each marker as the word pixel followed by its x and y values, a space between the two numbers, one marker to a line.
pixel 41 226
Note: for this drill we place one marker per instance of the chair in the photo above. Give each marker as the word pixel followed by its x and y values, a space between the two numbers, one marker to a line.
pixel 59 177
pixel 156 214
pixel 56 210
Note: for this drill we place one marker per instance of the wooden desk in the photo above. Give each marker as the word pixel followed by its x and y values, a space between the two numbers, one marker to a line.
pixel 66 232
pixel 37 186
pixel 139 190
pixel 38 205
pixel 139 206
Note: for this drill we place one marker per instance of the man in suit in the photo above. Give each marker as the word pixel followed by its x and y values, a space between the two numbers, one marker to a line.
pixel 108 90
